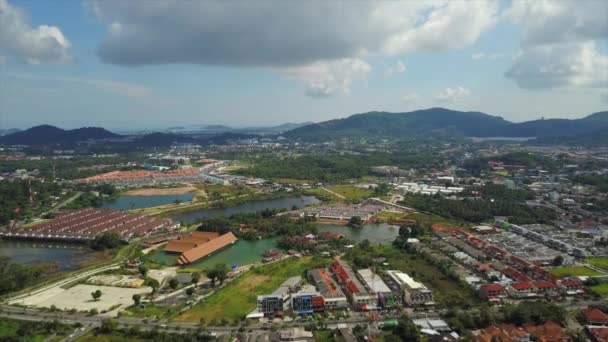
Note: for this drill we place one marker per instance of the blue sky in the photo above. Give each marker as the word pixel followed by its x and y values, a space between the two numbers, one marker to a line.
pixel 151 64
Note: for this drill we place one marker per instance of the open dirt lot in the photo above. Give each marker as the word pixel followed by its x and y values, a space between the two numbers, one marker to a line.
pixel 155 192
pixel 79 298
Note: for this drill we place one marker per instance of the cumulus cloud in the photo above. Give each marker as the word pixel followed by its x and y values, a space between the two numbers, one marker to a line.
pixel 19 40
pixel 409 98
pixel 397 68
pixel 451 94
pixel 326 78
pixel 560 65
pixel 559 44
pixel 554 21
pixel 283 33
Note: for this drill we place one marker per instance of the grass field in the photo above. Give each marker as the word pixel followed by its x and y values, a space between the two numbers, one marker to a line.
pixel 389 215
pixel 601 289
pixel 598 261
pixel 445 290
pixel 238 298
pixel 352 193
pixel 573 271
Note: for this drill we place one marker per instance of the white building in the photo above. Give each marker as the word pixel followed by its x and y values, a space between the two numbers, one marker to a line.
pixel 414 293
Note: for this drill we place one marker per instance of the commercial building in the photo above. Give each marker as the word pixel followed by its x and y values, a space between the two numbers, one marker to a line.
pixel 414 293
pixel 307 301
pixel 86 224
pixel 333 296
pixel 374 284
pixel 278 301
pixel 353 288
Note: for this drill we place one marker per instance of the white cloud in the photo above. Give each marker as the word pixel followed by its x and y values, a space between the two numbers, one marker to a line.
pixel 481 55
pixel 555 21
pixel 130 90
pixel 326 78
pixel 560 65
pixel 397 68
pixel 559 44
pixel 18 39
pixel 451 94
pixel 283 33
pixel 409 98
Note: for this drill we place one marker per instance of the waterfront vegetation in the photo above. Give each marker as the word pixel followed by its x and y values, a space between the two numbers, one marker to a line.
pixel 14 277
pixel 26 331
pixel 574 271
pixel 238 298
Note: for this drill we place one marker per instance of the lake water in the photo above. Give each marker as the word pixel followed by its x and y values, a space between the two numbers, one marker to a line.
pixel 249 207
pixel 137 202
pixel 381 233
pixel 241 253
pixel 67 256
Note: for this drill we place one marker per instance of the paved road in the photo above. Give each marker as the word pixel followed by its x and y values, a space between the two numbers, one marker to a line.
pixel 30 314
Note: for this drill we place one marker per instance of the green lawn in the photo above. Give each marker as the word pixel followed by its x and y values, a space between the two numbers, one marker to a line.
pixel 598 261
pixel 352 193
pixel 601 289
pixel 239 298
pixel 573 271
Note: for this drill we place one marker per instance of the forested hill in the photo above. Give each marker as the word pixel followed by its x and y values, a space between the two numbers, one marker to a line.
pixel 47 134
pixel 445 123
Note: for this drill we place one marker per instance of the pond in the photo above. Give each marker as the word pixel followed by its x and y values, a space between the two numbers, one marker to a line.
pixel 249 207
pixel 67 256
pixel 241 253
pixel 137 202
pixel 381 233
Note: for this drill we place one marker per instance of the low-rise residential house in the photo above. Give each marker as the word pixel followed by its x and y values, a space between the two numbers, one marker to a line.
pixel 492 291
pixel 594 316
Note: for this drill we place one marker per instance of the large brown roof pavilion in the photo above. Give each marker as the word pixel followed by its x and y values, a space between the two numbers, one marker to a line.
pixel 198 245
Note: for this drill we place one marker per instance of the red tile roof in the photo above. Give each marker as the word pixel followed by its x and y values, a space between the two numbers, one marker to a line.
pixel 522 286
pixel 595 316
pixel 492 288
pixel 544 285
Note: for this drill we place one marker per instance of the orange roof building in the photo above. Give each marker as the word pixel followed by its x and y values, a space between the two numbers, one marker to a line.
pixel 206 248
pixel 548 332
pixel 187 242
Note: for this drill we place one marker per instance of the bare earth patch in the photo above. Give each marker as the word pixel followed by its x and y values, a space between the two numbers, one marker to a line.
pixel 156 192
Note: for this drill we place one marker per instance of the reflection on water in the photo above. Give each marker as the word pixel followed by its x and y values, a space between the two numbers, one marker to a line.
pixel 136 202
pixel 67 256
pixel 249 207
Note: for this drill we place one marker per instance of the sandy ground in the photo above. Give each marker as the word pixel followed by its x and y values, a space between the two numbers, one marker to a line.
pixel 164 274
pixel 165 191
pixel 79 297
